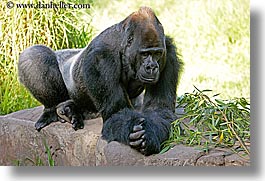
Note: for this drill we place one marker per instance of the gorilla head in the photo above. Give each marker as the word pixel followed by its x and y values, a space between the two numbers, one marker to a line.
pixel 144 45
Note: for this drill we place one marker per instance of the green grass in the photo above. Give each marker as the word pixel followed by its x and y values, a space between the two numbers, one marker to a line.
pixel 212 36
pixel 37 160
pixel 21 28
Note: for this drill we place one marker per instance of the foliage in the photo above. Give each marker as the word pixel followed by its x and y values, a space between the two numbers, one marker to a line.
pixel 210 122
pixel 37 161
pixel 24 27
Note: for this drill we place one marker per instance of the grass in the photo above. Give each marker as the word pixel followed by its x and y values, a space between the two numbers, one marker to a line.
pixel 37 160
pixel 21 28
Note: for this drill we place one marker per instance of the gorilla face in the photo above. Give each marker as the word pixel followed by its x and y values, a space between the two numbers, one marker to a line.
pixel 150 59
pixel 145 48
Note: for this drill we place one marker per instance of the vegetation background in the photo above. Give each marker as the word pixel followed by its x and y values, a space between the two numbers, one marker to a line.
pixel 212 36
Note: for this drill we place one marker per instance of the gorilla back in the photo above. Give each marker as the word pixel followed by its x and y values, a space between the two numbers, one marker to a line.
pixel 107 76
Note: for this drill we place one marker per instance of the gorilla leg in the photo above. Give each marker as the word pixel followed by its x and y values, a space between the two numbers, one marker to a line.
pixel 39 72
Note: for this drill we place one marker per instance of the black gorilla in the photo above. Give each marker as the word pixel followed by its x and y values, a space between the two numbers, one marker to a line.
pixel 107 76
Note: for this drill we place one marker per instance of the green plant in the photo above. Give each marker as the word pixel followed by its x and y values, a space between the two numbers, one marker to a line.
pixel 210 122
pixel 37 160
pixel 24 27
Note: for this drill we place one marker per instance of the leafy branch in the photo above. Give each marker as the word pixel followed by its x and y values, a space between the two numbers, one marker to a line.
pixel 211 122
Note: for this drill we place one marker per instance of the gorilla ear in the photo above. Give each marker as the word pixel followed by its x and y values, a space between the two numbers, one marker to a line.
pixel 127 41
pixel 128 33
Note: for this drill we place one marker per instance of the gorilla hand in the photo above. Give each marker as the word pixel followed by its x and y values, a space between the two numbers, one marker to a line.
pixel 137 137
pixel 143 137
pixel 136 130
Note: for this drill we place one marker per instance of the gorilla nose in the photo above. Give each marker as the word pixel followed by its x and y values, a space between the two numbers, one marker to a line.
pixel 152 67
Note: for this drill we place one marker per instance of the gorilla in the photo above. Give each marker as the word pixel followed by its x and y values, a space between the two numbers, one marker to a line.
pixel 127 61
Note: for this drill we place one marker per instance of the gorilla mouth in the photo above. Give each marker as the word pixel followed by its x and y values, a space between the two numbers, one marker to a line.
pixel 146 79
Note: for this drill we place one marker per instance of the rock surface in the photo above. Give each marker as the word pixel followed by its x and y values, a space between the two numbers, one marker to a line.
pixel 21 144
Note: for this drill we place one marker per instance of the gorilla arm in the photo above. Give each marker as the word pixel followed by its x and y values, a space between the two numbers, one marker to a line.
pixel 160 98
pixel 147 130
pixel 101 81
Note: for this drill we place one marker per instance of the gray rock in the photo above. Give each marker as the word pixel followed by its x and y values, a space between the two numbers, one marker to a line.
pixel 21 144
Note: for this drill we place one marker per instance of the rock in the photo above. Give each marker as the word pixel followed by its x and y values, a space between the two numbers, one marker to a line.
pixel 213 159
pixel 236 160
pixel 21 144
pixel 116 154
pixel 179 155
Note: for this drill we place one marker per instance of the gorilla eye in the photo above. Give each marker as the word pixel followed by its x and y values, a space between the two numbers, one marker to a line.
pixel 158 54
pixel 145 55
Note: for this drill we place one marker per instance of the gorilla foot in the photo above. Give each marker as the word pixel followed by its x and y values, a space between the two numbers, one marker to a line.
pixel 66 112
pixel 48 116
pixel 137 137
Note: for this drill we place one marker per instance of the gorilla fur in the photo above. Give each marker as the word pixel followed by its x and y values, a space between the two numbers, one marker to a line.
pixel 107 76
